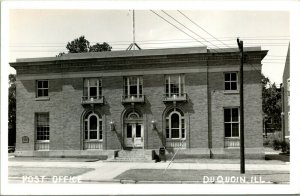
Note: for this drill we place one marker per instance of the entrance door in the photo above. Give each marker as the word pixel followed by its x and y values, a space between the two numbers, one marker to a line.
pixel 134 135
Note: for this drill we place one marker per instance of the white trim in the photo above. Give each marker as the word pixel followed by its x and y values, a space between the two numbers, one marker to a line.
pixel 89 86
pixel 239 124
pixel 37 88
pixel 232 81
pixel 180 126
pixel 181 78
pixel 87 119
pixel 137 84
pixel 45 143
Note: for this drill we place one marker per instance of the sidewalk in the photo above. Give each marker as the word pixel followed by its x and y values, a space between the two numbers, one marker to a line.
pixel 107 171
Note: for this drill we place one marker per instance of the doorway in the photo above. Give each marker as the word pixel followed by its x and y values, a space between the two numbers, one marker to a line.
pixel 133 131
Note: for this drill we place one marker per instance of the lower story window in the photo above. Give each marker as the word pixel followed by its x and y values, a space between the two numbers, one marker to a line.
pixel 231 122
pixel 92 127
pixel 175 125
pixel 42 127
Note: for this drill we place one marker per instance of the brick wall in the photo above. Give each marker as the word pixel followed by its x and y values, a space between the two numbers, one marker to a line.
pixel 252 108
pixel 203 111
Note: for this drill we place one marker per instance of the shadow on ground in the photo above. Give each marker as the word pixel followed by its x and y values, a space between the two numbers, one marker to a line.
pixel 227 176
pixel 279 157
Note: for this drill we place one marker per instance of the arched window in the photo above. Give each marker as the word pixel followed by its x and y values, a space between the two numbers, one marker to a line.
pixel 92 127
pixel 175 124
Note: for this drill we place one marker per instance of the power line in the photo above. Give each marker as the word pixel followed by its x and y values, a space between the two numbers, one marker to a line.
pixel 165 43
pixel 201 28
pixel 176 27
pixel 159 41
pixel 145 42
pixel 188 28
pixel 208 38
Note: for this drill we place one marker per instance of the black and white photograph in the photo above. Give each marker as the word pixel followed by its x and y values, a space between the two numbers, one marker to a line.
pixel 141 98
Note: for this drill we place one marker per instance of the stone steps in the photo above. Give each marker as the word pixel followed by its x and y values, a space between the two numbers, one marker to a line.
pixel 139 155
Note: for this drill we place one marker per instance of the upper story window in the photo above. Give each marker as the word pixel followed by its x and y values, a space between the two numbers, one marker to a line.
pixel 231 81
pixel 174 85
pixel 92 88
pixel 133 87
pixel 42 88
pixel 231 122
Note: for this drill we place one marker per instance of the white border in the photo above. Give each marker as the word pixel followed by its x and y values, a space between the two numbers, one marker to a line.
pixel 292 6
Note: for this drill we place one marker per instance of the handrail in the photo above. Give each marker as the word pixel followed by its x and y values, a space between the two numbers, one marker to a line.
pixel 174 155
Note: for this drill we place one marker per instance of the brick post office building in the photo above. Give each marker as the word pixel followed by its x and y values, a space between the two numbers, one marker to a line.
pixel 109 102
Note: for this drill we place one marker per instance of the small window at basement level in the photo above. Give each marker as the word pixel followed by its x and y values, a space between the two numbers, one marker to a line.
pixel 42 88
pixel 231 81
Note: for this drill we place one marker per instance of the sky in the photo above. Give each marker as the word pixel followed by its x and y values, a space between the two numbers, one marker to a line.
pixel 45 33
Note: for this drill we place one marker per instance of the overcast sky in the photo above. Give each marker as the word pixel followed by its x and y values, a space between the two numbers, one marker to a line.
pixel 40 33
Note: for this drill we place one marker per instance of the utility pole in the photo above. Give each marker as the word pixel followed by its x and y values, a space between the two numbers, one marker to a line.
pixel 241 78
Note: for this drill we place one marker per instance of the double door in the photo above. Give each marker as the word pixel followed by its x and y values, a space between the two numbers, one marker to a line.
pixel 134 135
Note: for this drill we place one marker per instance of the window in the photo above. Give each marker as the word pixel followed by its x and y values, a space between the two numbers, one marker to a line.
pixel 174 85
pixel 92 88
pixel 42 88
pixel 231 81
pixel 175 125
pixel 133 87
pixel 92 127
pixel 231 122
pixel 42 127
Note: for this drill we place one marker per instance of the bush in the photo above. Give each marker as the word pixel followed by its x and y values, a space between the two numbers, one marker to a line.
pixel 285 147
pixel 266 142
pixel 276 144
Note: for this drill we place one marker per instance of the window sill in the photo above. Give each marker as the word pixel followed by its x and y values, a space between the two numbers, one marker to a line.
pixel 93 140
pixel 43 150
pixel 42 141
pixel 42 98
pixel 175 139
pixel 231 91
